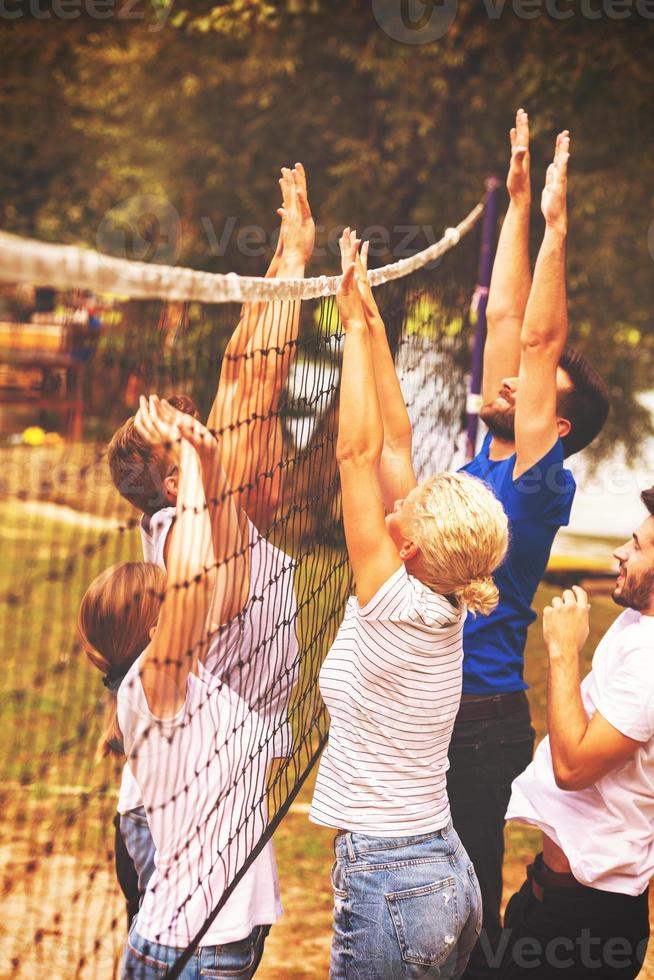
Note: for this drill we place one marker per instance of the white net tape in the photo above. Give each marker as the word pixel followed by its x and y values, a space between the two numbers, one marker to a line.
pixel 69 267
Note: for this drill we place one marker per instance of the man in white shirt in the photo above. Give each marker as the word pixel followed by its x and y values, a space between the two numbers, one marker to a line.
pixel 583 911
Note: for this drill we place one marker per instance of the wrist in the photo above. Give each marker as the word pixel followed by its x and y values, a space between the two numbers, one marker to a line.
pixel 557 230
pixel 355 324
pixel 565 650
pixel 520 201
pixel 291 265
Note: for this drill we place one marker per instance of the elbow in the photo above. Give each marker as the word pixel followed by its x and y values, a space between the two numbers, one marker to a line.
pixel 351 454
pixel 498 317
pixel 568 779
pixel 545 343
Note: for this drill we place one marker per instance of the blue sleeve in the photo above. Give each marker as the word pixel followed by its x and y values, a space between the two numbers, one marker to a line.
pixel 544 492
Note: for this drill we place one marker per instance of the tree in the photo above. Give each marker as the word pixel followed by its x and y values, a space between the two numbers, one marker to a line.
pixel 203 111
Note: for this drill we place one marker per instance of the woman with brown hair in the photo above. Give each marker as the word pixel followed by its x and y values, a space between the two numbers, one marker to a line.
pixel 188 738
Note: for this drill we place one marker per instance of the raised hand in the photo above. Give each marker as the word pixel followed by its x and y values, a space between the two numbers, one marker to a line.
pixel 348 297
pixel 298 232
pixel 566 623
pixel 156 426
pixel 189 428
pixel 518 182
pixel 554 197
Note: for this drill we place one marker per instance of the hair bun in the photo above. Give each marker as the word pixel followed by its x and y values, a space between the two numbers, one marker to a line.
pixel 480 595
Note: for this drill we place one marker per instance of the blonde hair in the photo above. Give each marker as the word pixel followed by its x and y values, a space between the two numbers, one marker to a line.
pixel 118 611
pixel 462 534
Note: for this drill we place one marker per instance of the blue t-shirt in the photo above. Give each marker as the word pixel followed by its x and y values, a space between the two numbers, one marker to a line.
pixel 537 504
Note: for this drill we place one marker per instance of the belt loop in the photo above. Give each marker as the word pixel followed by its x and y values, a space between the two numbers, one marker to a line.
pixel 351 853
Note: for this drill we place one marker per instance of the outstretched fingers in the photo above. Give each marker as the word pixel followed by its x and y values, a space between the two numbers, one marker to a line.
pixel 300 180
pixel 349 245
pixel 562 153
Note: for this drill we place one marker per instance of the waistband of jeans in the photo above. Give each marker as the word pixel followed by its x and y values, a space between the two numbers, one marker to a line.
pixel 352 844
pixel 487 707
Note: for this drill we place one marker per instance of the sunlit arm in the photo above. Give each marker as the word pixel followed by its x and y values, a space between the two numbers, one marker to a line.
pixel 182 630
pixel 372 553
pixel 583 749
pixel 396 474
pixel 511 277
pixel 545 327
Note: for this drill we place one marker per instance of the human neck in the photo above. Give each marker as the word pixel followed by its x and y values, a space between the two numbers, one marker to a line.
pixel 501 448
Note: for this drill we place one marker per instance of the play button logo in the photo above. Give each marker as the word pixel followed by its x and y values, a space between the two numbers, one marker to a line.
pixel 415 21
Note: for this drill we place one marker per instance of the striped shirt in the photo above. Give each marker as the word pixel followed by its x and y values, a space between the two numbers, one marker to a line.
pixel 392 684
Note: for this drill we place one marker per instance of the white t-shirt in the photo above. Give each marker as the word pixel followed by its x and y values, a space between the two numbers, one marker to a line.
pixel 129 797
pixel 199 784
pixel 256 653
pixel 607 830
pixel 392 684
pixel 154 531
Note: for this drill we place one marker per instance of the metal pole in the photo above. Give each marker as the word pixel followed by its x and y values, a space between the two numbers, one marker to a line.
pixel 479 304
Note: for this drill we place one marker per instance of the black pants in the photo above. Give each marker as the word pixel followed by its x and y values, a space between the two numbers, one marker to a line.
pixel 574 933
pixel 485 758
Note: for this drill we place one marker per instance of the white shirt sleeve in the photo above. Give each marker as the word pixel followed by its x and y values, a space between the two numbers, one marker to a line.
pixel 627 699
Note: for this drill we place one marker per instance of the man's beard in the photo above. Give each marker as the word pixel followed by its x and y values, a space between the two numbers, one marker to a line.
pixel 637 594
pixel 500 424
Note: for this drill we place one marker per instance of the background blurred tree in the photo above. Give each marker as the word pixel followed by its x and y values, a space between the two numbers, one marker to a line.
pixel 200 103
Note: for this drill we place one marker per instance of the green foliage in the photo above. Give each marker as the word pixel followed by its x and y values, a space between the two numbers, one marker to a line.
pixel 201 103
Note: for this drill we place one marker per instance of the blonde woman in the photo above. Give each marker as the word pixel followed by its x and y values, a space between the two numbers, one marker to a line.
pixel 188 738
pixel 406 898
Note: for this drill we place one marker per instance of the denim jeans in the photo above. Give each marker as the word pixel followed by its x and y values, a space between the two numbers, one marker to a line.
pixel 145 960
pixel 138 842
pixel 485 757
pixel 403 907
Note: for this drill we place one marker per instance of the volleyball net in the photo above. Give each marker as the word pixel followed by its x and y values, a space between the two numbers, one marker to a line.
pixel 82 336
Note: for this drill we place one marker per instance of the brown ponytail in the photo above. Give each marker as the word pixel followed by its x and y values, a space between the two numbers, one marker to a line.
pixel 114 621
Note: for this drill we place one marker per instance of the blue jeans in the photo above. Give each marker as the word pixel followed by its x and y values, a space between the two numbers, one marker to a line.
pixel 138 842
pixel 144 960
pixel 403 907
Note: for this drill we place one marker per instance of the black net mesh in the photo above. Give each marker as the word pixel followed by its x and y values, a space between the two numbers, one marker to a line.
pixel 219 776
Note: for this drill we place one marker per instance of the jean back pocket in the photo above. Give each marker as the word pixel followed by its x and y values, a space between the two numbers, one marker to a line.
pixel 426 922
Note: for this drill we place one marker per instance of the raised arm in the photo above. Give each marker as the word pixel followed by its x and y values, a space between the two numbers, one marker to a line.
pixel 257 363
pixel 511 278
pixel 396 474
pixel 229 536
pixel 583 749
pixel 372 553
pixel 545 327
pixel 182 631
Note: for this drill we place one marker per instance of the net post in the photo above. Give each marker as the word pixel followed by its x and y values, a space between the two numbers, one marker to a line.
pixel 479 303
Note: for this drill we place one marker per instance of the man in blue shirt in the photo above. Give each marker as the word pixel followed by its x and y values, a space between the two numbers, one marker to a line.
pixel 541 404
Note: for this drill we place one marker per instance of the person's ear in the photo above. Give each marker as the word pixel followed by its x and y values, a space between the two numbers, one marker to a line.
pixel 153 630
pixel 564 427
pixel 408 551
pixel 171 486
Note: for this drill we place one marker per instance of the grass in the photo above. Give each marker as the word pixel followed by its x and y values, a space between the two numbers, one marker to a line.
pixel 61 913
